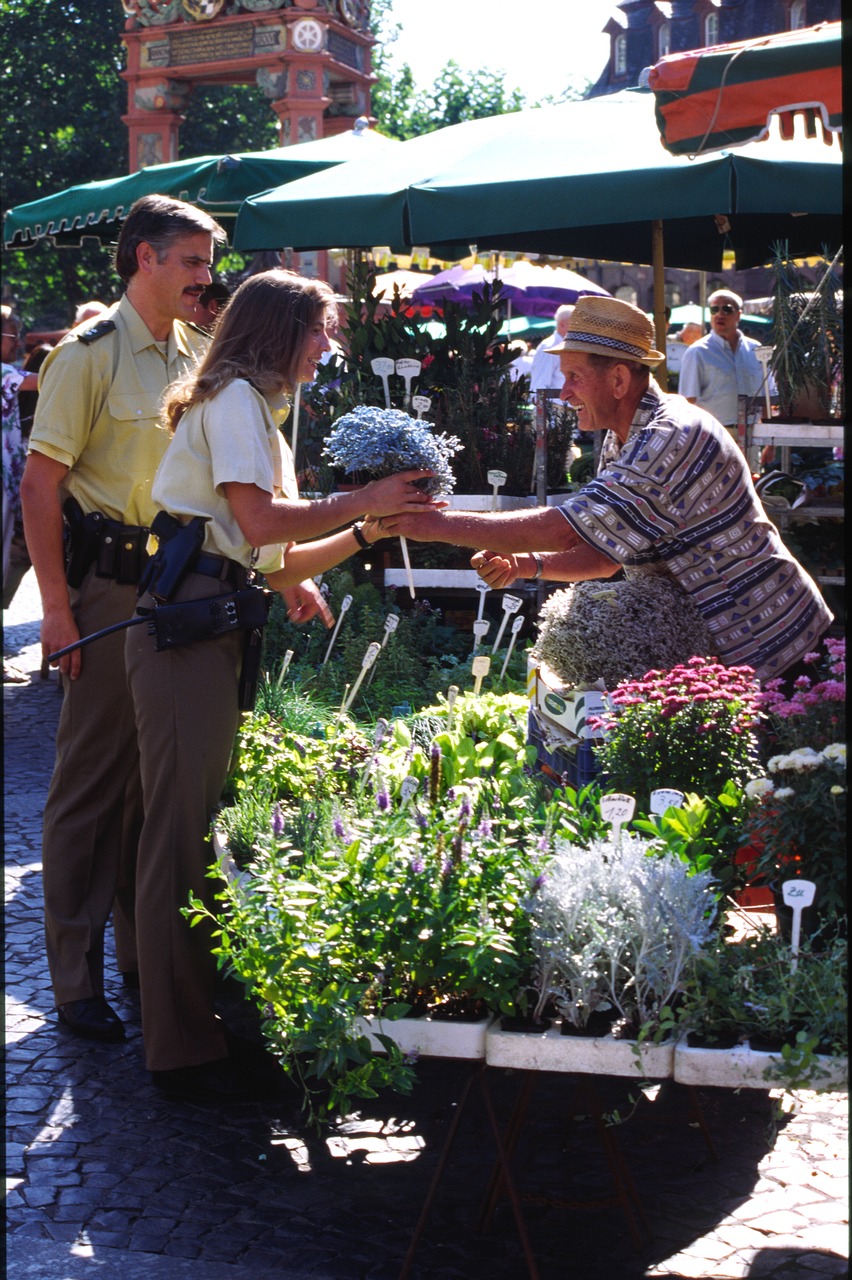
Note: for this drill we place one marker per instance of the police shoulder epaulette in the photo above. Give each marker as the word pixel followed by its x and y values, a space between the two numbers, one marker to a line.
pixel 99 330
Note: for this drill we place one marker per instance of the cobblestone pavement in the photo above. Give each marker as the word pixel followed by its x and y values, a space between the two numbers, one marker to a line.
pixel 107 1177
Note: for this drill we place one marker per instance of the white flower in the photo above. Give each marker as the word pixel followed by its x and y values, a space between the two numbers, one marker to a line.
pixel 800 761
pixel 759 788
pixel 784 793
pixel 835 751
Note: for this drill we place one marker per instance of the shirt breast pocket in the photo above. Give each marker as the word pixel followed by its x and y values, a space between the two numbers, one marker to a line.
pixel 141 408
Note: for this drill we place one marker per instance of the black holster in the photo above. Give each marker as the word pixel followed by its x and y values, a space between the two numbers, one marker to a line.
pixel 189 621
pixel 177 551
pixel 82 540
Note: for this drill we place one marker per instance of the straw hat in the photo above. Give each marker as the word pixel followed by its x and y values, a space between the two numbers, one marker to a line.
pixel 610 327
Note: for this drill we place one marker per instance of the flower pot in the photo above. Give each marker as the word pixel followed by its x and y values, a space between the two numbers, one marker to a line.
pixel 428 1037
pixel 744 1067
pixel 584 1055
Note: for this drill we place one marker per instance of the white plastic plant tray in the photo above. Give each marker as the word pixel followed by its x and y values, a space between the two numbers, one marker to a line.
pixel 583 1055
pixel 428 1037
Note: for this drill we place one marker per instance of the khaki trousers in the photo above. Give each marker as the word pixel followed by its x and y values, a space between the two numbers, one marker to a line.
pixel 187 718
pixel 93 813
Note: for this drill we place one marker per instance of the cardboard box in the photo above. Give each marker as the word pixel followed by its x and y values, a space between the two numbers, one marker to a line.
pixel 569 709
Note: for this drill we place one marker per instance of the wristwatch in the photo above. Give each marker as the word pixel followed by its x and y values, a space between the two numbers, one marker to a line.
pixel 539 566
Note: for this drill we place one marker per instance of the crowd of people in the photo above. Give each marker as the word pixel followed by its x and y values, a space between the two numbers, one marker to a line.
pixel 157 478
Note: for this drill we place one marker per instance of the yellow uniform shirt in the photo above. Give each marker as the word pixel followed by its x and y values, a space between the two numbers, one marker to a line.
pixel 98 410
pixel 231 438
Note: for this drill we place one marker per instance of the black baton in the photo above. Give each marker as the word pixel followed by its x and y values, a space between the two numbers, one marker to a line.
pixel 98 635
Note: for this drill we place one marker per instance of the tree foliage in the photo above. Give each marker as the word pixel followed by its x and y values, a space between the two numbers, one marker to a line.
pixel 64 99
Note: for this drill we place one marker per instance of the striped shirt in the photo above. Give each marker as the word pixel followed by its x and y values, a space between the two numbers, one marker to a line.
pixel 678 494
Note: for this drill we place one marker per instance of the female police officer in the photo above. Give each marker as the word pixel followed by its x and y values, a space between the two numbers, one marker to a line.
pixel 228 464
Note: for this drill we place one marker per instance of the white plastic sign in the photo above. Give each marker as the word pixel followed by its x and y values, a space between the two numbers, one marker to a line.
pixel 288 658
pixel 517 623
pixel 483 589
pixel 452 694
pixel 409 788
pixel 797 895
pixel 421 405
pixel 666 798
pixel 496 479
pixel 373 651
pixel 617 808
pixel 383 367
pixel 344 606
pixel 511 604
pixel 480 667
pixel 408 369
pixel 480 630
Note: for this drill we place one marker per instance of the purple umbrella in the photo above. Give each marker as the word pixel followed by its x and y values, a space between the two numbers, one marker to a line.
pixel 529 290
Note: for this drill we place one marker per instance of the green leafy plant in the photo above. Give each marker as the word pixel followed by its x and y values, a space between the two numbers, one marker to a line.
pixel 749 990
pixel 705 833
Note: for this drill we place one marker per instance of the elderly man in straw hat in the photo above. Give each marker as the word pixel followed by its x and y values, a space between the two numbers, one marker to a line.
pixel 673 495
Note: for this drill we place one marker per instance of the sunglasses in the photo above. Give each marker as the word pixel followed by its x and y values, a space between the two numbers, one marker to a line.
pixel 728 309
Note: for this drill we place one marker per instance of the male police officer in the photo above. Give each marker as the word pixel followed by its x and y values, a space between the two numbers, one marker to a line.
pixel 95 445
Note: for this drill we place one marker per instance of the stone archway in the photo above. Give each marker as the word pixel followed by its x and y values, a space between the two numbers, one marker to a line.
pixel 310 58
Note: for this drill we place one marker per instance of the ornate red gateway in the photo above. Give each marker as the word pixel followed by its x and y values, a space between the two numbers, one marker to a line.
pixel 309 58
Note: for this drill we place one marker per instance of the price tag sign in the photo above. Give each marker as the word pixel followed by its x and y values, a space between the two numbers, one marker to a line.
pixel 511 604
pixel 480 667
pixel 617 808
pixel 383 367
pixel 517 623
pixel 480 630
pixel 497 478
pixel 666 798
pixel 380 732
pixel 409 788
pixel 421 405
pixel 797 895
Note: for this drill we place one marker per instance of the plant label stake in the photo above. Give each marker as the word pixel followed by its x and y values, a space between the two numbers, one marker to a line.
pixel 344 605
pixel 452 694
pixel 511 604
pixel 496 479
pixel 666 798
pixel 391 624
pixel 517 623
pixel 373 651
pixel 383 367
pixel 421 405
pixel 480 667
pixel 797 895
pixel 403 546
pixel 764 355
pixel 617 808
pixel 483 589
pixel 294 438
pixel 288 658
pixel 409 788
pixel 407 369
pixel 480 630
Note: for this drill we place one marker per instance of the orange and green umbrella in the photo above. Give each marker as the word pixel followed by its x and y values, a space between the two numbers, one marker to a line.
pixel 726 95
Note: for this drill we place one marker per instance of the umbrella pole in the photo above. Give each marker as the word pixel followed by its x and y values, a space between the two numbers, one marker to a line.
pixel 658 260
pixel 294 438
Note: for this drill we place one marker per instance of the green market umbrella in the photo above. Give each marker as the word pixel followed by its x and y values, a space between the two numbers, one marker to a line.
pixel 218 184
pixel 726 95
pixel 587 179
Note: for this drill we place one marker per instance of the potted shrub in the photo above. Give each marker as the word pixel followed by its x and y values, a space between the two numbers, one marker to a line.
pixel 808 327
pixel 615 927
pixel 756 1016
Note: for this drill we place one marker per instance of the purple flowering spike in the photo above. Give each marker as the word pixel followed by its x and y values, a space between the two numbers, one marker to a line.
pixel 383 801
pixel 277 820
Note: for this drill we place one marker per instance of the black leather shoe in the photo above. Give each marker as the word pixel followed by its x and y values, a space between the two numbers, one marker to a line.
pixel 91 1018
pixel 209 1082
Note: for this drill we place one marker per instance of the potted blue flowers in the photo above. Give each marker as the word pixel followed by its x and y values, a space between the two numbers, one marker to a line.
pixel 370 443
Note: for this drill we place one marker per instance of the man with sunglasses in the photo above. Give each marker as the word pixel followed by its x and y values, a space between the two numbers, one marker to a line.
pixel 720 367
